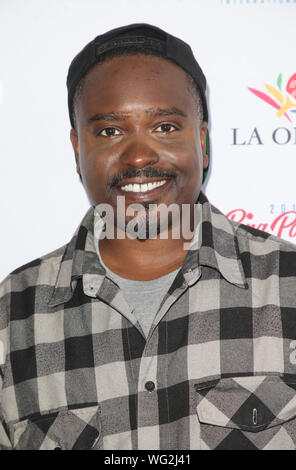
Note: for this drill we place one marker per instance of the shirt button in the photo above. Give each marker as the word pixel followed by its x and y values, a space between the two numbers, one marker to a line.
pixel 150 386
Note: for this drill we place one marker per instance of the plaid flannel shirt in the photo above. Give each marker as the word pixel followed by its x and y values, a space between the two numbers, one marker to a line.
pixel 217 371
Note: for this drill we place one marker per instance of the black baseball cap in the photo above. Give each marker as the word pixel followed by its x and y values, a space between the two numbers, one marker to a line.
pixel 138 35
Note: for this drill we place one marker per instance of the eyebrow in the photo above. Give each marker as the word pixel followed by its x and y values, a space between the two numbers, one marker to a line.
pixel 165 112
pixel 112 116
pixel 115 116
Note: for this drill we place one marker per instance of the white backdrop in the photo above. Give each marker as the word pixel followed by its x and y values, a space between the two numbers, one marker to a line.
pixel 240 44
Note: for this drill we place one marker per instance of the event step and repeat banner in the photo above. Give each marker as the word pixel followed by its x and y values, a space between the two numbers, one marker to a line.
pixel 253 115
pixel 246 49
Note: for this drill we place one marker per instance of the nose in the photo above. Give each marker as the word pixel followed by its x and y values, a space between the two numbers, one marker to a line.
pixel 138 154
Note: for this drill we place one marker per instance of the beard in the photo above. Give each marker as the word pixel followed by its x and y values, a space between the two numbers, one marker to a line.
pixel 148 224
pixel 144 221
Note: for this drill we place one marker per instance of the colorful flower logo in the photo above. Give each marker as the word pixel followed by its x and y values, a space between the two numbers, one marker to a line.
pixel 285 100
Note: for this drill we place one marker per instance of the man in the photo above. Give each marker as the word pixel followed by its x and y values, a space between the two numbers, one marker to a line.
pixel 134 338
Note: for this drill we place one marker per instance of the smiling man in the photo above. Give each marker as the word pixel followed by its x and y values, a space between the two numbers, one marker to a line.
pixel 137 334
pixel 137 123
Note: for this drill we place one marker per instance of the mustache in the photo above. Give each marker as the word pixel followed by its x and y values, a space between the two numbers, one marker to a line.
pixel 152 172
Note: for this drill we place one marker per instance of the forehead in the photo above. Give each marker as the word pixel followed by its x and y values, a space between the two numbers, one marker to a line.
pixel 137 79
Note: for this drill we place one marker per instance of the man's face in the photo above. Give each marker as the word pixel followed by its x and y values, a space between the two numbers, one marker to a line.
pixel 137 123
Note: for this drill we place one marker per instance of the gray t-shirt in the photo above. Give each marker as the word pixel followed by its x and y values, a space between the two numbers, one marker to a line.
pixel 144 297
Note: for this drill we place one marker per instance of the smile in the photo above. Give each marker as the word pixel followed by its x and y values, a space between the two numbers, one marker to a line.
pixel 142 188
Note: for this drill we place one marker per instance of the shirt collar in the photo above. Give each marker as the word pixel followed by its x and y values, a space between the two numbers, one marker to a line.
pixel 214 244
pixel 219 244
pixel 79 258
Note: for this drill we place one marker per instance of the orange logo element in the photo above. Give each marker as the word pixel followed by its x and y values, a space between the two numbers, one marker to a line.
pixel 283 101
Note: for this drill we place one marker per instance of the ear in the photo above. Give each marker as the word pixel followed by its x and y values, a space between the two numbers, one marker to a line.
pixel 75 145
pixel 203 141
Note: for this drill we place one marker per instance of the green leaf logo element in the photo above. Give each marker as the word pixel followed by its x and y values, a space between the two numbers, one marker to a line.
pixel 279 81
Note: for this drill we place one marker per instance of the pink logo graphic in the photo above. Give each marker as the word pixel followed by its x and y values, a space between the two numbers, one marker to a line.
pixel 283 225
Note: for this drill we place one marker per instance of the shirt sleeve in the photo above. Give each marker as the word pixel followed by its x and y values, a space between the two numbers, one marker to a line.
pixel 5 443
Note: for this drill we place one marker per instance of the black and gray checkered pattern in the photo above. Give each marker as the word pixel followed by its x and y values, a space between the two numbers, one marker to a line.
pixel 221 352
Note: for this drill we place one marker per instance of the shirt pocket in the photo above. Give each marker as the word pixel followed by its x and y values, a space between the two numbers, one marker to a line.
pixel 257 412
pixel 73 429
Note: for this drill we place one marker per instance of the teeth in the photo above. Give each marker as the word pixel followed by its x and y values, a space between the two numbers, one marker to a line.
pixel 142 188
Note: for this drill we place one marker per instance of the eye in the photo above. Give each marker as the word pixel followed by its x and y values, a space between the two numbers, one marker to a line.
pixel 109 132
pixel 165 128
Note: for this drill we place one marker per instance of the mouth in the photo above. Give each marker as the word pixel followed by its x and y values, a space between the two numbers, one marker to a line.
pixel 143 189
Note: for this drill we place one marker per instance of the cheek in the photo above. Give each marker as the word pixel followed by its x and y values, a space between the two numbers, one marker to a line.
pixel 95 172
pixel 191 168
pixel 195 160
pixel 188 152
pixel 96 164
